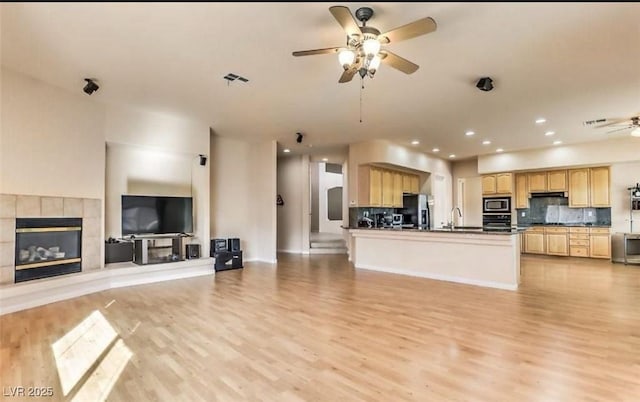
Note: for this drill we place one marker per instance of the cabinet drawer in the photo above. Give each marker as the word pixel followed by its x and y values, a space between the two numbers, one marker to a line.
pixel 578 230
pixel 599 230
pixel 573 236
pixel 584 243
pixel 537 229
pixel 578 251
pixel 556 230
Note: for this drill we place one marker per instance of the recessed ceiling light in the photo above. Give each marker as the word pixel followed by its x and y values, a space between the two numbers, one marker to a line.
pixel 557 142
pixel 469 133
pixel 486 142
pixel 452 156
pixel 435 150
pixel 325 159
pixel 541 120
pixel 549 133
pixel 286 150
pixel 415 142
pixel 499 150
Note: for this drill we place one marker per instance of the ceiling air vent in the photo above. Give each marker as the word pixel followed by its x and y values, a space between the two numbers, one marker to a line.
pixel 232 77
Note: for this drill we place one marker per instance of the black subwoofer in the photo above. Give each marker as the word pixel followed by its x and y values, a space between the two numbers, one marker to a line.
pixel 218 245
pixel 193 251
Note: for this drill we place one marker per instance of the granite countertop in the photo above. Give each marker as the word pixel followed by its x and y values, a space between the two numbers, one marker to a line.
pixel 467 230
pixel 578 225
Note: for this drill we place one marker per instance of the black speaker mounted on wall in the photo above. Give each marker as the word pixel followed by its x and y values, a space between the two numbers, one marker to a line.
pixel 203 160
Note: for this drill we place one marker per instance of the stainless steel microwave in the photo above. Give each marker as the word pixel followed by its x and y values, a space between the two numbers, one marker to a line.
pixel 496 204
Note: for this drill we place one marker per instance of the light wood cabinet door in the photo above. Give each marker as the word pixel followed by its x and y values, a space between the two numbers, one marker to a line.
pixel 504 183
pixel 534 243
pixel 397 189
pixel 600 246
pixel 489 184
pixel 579 188
pixel 375 187
pixel 557 180
pixel 387 188
pixel 557 244
pixel 599 183
pixel 537 182
pixel 406 183
pixel 415 184
pixel 522 195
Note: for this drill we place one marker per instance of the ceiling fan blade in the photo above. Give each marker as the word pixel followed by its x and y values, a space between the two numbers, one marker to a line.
pixel 411 30
pixel 613 122
pixel 620 129
pixel 317 51
pixel 347 75
pixel 346 20
pixel 398 62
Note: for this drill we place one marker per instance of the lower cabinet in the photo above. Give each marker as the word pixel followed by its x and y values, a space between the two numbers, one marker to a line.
pixel 572 241
pixel 557 241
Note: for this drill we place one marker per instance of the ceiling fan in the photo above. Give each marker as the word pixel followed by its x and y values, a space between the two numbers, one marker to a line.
pixel 632 123
pixel 363 52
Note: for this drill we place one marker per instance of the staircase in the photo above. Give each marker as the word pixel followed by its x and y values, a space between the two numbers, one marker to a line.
pixel 327 243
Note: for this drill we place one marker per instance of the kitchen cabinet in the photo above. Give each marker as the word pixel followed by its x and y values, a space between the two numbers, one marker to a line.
pixel 387 188
pixel 522 193
pixel 599 243
pixel 534 241
pixel 369 186
pixel 579 242
pixel 500 183
pixel 397 189
pixel 557 180
pixel 589 187
pixel 537 182
pixel 414 179
pixel 557 241
pixel 599 187
pixel 406 183
pixel 579 188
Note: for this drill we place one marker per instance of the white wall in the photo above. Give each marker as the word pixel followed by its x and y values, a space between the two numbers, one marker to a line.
pixel 291 177
pixel 156 154
pixel 439 183
pixel 623 176
pixel 326 181
pixel 52 140
pixel 243 195
pixel 592 153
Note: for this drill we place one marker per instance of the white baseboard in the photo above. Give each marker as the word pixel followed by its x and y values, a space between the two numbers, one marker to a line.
pixel 25 295
pixel 466 281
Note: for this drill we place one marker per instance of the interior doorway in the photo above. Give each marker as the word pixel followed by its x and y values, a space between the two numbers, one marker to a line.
pixel 326 208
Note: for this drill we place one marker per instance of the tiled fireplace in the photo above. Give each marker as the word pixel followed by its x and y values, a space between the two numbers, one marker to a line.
pixel 48 236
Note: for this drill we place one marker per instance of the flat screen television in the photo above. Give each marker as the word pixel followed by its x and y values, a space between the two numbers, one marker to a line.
pixel 142 214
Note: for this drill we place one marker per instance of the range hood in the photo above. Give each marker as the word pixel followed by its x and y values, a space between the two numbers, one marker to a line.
pixel 549 194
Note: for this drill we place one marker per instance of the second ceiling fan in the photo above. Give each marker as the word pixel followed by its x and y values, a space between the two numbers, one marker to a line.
pixel 363 51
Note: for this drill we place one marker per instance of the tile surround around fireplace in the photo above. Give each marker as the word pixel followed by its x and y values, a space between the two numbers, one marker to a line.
pixel 14 206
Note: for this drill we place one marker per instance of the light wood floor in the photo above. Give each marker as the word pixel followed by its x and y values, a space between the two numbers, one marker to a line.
pixel 313 328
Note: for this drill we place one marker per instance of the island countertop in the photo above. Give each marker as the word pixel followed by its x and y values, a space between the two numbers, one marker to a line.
pixel 461 230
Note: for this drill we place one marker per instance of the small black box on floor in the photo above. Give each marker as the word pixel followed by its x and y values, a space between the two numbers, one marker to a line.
pixel 233 244
pixel 192 251
pixel 227 260
pixel 217 245
pixel 118 252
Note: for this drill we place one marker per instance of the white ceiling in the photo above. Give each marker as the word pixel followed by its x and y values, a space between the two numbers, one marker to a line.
pixel 567 62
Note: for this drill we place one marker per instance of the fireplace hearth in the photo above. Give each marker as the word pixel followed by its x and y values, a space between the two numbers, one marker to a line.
pixel 47 247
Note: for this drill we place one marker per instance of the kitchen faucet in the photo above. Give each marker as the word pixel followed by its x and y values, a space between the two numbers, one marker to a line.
pixel 459 214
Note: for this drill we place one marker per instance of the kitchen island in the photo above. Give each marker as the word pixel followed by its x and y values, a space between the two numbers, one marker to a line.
pixel 475 257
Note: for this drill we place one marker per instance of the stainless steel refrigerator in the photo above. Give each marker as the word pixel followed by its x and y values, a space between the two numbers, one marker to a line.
pixel 418 208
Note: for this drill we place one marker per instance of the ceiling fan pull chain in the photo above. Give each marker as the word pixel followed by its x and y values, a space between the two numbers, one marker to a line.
pixel 361 88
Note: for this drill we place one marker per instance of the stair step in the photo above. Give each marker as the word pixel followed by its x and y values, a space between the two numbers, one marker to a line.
pixel 335 250
pixel 328 244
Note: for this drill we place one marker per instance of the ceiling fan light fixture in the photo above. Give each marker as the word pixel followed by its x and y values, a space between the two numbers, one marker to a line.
pixel 635 132
pixel 371 47
pixel 374 64
pixel 346 58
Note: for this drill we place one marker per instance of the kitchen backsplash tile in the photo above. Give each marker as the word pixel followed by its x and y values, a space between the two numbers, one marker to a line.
pixel 549 210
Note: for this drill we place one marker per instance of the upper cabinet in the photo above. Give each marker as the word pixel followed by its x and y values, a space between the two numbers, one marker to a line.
pixel 599 186
pixel 589 187
pixel 522 193
pixel 500 183
pixel 537 182
pixel 379 187
pixel 557 180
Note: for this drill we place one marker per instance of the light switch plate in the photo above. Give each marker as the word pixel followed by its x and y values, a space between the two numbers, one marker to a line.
pixel 523 214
